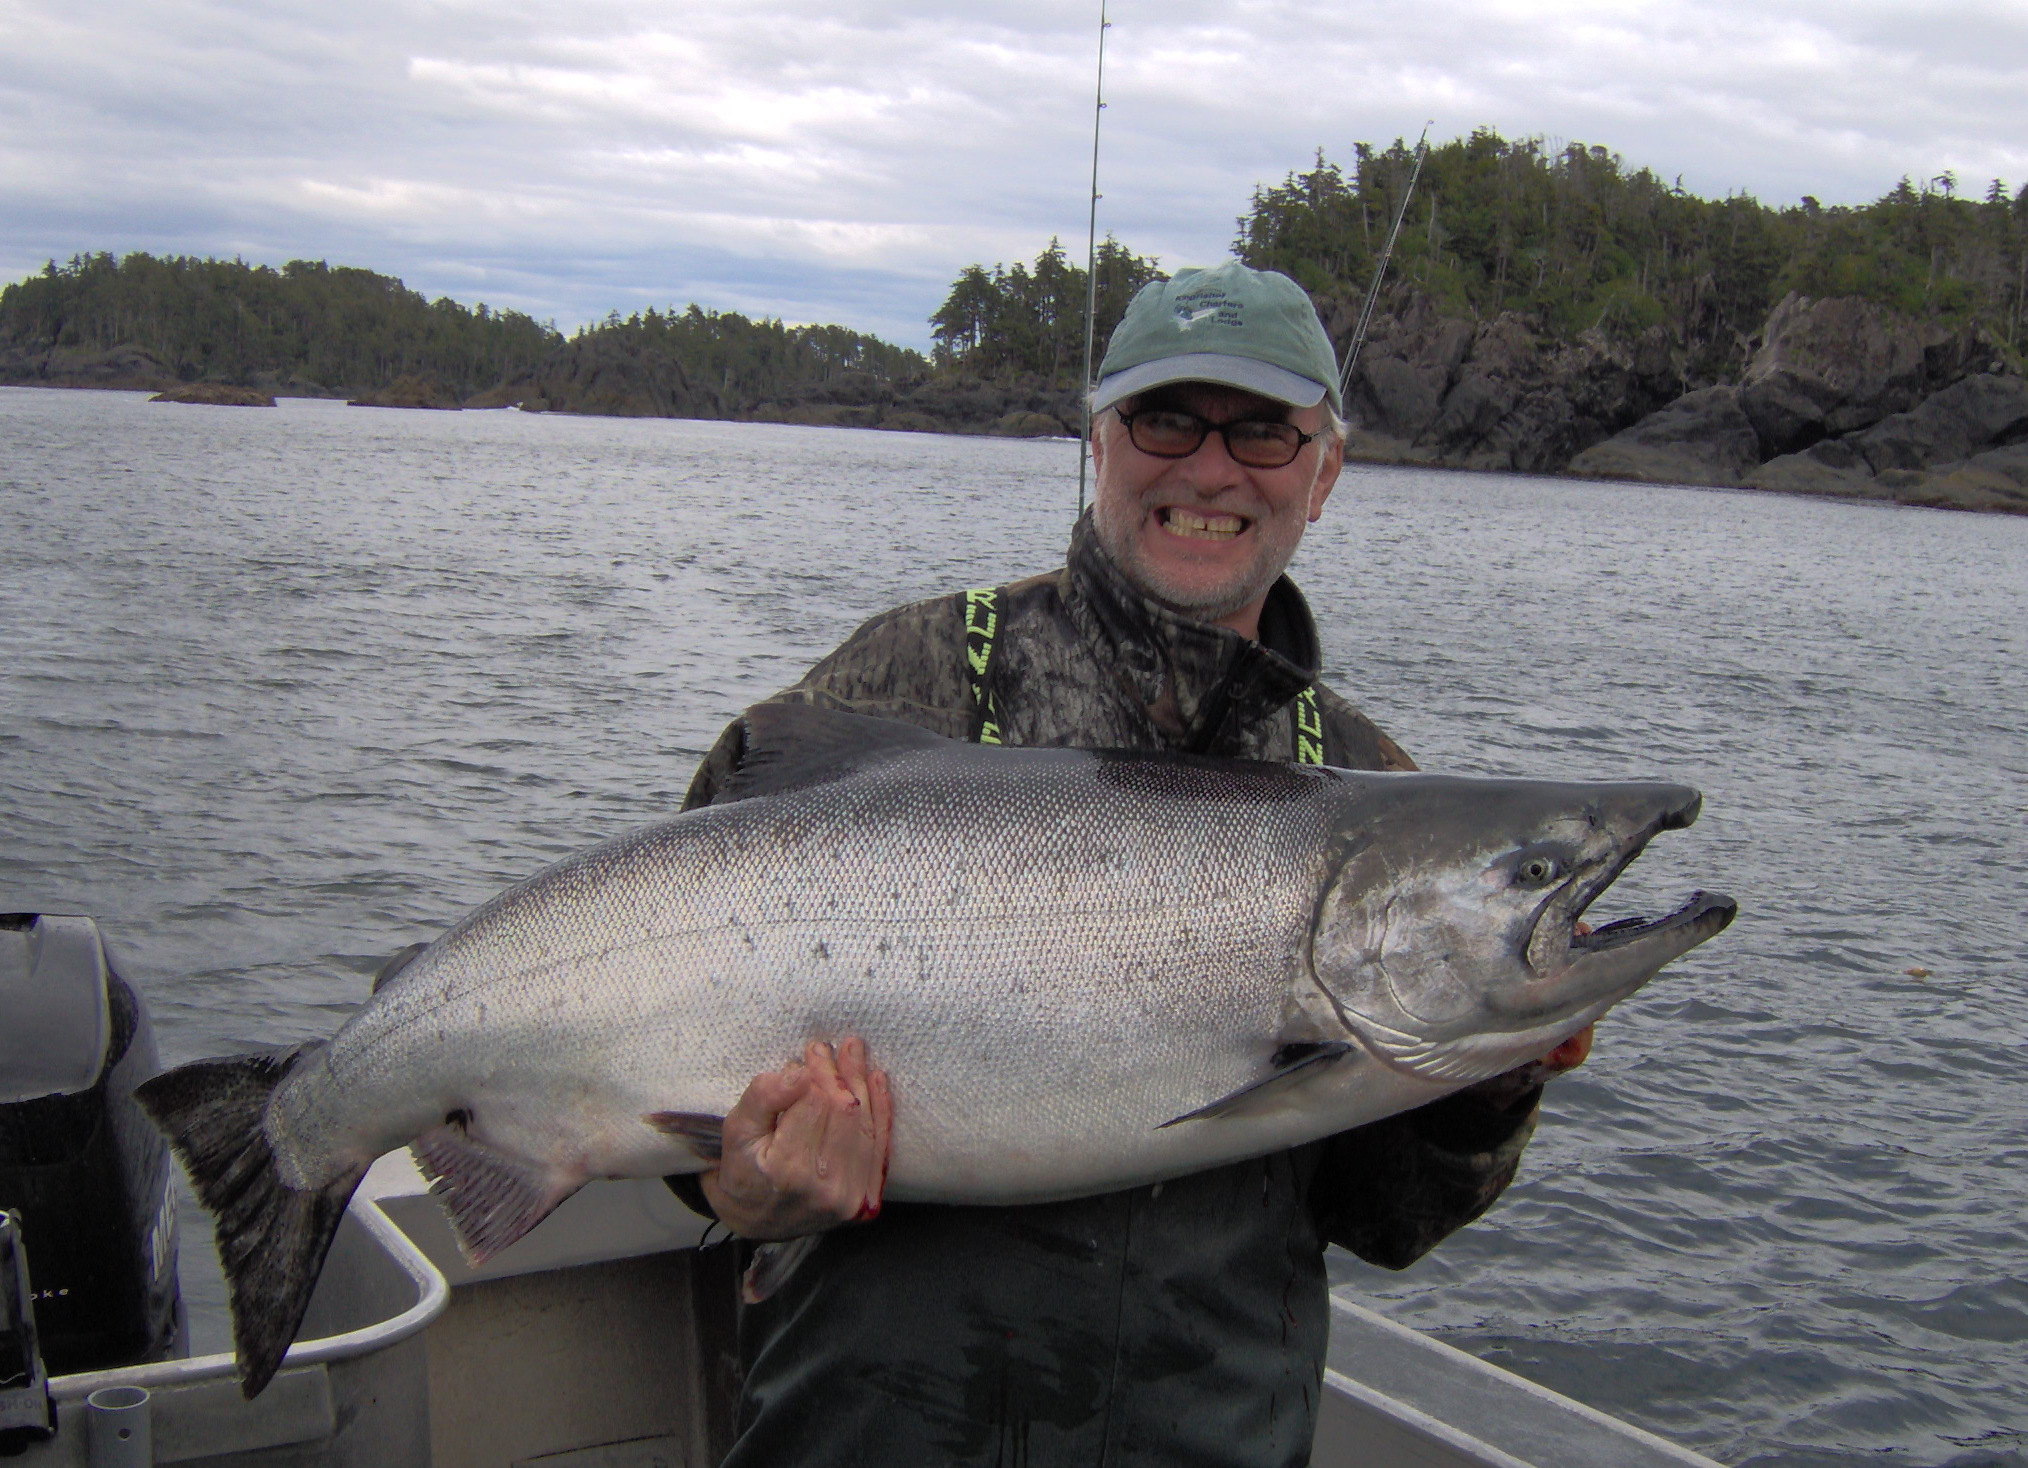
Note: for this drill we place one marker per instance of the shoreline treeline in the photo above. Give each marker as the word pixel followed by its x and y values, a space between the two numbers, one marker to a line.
pixel 311 325
pixel 337 330
pixel 1575 241
pixel 1579 242
pixel 744 359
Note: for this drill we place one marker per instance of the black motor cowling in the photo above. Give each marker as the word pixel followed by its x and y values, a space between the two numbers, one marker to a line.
pixel 80 1163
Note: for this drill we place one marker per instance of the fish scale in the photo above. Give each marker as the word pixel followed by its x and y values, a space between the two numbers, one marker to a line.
pixel 753 930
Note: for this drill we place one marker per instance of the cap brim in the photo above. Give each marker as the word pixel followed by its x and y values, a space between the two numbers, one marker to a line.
pixel 1245 373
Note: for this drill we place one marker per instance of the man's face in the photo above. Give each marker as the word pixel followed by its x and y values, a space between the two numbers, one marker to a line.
pixel 1207 535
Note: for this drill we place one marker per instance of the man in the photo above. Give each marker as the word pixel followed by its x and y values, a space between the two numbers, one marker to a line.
pixel 1183 1323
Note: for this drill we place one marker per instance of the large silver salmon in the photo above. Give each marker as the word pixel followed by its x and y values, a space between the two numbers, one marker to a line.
pixel 1083 971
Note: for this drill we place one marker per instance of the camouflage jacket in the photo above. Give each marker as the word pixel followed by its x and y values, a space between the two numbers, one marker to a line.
pixel 1179 1324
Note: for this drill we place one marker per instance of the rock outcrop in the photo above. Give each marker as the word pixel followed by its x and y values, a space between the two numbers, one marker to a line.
pixel 1972 414
pixel 409 392
pixel 1704 437
pixel 1834 366
pixel 1966 445
pixel 1494 394
pixel 215 394
pixel 127 368
pixel 1994 480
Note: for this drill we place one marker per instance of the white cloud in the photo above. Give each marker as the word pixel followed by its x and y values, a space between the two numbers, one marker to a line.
pixel 843 161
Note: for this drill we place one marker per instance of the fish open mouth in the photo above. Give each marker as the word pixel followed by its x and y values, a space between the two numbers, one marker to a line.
pixel 1561 939
pixel 1711 909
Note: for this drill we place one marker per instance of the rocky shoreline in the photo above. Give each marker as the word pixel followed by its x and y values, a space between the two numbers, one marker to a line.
pixel 1833 396
pixel 591 374
pixel 215 395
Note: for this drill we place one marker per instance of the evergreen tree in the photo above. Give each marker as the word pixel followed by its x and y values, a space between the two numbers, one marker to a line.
pixel 1022 321
pixel 749 361
pixel 226 321
pixel 1579 241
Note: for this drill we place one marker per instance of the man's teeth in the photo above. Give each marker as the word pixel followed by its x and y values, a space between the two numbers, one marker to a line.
pixel 1202 527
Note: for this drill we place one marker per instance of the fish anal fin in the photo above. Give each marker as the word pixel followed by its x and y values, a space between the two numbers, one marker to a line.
pixel 493 1198
pixel 1291 1063
pixel 702 1132
pixel 791 746
pixel 772 1265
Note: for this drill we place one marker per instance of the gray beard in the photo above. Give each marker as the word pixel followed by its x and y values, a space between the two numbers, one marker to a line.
pixel 1152 585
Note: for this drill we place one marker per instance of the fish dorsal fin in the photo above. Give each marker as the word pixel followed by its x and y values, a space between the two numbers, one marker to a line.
pixel 791 746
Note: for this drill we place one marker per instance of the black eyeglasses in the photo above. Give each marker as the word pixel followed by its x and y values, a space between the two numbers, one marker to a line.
pixel 1171 433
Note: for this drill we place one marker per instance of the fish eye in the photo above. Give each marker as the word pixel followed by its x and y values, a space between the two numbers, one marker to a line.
pixel 1536 869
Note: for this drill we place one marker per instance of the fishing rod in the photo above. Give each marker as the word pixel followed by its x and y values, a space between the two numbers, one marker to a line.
pixel 1091 258
pixel 1380 270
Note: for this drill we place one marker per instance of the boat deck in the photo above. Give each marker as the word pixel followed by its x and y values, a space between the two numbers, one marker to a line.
pixel 589 1345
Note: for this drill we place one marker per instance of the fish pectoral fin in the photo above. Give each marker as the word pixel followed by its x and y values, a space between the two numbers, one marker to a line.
pixel 703 1132
pixel 493 1198
pixel 1291 1063
pixel 773 1264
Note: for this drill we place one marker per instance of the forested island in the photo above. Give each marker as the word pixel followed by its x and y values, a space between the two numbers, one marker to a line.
pixel 1546 311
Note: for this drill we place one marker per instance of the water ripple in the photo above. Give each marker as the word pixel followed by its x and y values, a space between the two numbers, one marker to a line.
pixel 312 682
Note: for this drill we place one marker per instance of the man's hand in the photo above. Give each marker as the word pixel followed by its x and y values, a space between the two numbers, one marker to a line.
pixel 806 1147
pixel 1569 1055
pixel 1504 1091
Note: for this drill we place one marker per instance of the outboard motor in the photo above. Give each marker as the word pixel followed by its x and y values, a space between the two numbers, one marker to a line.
pixel 81 1166
pixel 26 1412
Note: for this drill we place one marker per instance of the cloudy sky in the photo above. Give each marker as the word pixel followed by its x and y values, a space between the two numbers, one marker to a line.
pixel 841 161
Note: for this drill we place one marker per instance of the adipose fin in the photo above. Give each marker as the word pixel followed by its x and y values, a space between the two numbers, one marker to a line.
pixel 398 960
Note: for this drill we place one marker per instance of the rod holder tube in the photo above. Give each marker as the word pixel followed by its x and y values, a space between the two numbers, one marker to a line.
pixel 119 1428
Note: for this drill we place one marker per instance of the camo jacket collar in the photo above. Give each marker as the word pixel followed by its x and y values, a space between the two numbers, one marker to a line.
pixel 1203 685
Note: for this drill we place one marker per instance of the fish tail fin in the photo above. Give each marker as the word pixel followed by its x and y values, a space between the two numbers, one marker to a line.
pixel 272 1238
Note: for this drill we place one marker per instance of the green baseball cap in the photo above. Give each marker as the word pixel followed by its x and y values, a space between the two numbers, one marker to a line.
pixel 1251 329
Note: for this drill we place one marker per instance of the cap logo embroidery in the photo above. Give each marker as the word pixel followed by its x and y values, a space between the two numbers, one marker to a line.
pixel 1197 307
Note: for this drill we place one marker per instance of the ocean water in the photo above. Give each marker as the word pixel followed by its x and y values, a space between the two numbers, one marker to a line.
pixel 287 689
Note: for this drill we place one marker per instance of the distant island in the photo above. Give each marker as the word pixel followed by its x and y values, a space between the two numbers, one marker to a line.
pixel 1546 312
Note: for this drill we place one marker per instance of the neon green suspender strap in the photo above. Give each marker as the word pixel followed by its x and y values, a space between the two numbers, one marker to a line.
pixel 982 627
pixel 1309 727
